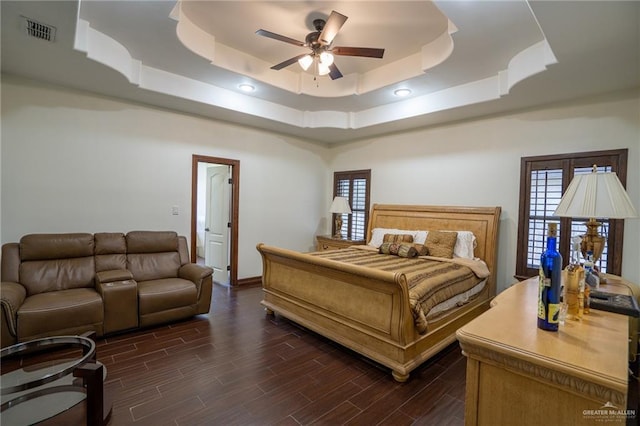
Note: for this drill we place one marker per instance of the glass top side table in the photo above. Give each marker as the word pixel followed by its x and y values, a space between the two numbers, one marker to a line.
pixel 48 377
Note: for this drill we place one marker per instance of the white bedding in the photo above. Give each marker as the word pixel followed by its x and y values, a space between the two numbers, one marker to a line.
pixel 455 301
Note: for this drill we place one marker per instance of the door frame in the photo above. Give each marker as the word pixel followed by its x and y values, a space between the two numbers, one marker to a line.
pixel 235 197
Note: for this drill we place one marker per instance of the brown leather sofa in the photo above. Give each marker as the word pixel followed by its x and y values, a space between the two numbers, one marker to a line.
pixel 66 284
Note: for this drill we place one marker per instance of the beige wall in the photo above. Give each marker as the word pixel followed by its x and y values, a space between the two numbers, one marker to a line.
pixel 478 162
pixel 73 161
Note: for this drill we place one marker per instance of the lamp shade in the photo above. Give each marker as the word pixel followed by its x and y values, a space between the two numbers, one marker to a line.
pixel 326 58
pixel 596 195
pixel 305 62
pixel 340 205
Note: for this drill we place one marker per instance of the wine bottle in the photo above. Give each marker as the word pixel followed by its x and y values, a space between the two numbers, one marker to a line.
pixel 550 283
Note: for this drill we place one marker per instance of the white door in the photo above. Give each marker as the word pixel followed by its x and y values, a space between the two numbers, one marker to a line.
pixel 216 237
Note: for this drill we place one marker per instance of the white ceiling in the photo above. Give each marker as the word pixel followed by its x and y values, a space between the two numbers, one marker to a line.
pixel 461 59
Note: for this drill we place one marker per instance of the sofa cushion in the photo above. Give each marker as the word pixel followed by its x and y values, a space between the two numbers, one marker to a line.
pixel 52 262
pixel 164 294
pixel 10 269
pixel 152 241
pixel 153 266
pixel 55 246
pixel 40 276
pixel 74 310
pixel 153 255
pixel 110 250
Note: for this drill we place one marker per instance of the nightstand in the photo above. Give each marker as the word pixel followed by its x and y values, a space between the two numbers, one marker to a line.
pixel 327 242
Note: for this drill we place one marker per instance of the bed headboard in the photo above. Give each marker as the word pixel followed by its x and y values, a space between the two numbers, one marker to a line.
pixel 482 221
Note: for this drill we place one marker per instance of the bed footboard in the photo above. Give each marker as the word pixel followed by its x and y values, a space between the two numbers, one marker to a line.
pixel 363 309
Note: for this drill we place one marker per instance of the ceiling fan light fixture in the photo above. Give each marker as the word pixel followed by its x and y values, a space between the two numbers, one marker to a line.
pixel 320 42
pixel 305 62
pixel 326 58
pixel 322 68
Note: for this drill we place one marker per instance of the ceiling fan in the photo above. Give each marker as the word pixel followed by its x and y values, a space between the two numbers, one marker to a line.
pixel 319 41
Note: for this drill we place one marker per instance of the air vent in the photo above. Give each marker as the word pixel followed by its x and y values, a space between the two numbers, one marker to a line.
pixel 39 30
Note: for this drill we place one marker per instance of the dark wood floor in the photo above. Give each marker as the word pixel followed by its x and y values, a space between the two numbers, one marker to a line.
pixel 238 366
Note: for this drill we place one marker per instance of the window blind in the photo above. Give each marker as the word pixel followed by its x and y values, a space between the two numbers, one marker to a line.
pixel 354 186
pixel 543 181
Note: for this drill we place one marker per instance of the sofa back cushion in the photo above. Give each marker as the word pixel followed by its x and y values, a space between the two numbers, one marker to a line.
pixel 10 269
pixel 183 250
pixel 152 255
pixel 52 262
pixel 111 251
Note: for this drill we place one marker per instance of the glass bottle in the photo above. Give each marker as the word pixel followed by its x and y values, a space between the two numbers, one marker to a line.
pixel 550 282
pixel 587 300
pixel 573 299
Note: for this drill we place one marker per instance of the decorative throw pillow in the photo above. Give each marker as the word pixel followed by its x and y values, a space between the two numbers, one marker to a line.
pixel 377 235
pixel 421 249
pixel 389 248
pixel 407 250
pixel 397 238
pixel 402 249
pixel 441 243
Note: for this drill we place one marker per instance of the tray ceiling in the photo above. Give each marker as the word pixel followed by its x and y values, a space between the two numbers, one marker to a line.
pixel 459 59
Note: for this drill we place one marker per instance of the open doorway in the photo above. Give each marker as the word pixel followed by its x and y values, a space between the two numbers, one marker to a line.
pixel 214 216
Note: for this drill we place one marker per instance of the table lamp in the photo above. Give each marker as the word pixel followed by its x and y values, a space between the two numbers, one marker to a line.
pixel 339 207
pixel 595 195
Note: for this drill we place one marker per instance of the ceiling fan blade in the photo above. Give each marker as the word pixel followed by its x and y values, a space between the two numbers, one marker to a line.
pixel 279 37
pixel 334 23
pixel 334 72
pixel 358 51
pixel 288 62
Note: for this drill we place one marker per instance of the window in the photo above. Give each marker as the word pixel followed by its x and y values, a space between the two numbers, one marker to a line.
pixel 543 180
pixel 354 186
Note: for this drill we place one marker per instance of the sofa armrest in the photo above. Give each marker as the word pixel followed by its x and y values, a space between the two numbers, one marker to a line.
pixel 113 276
pixel 119 292
pixel 12 296
pixel 194 273
pixel 202 277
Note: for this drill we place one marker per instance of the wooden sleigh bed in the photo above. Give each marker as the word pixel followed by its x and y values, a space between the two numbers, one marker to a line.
pixel 368 310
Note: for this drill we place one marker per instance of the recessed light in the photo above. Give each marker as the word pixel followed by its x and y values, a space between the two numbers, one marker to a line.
pixel 402 92
pixel 246 87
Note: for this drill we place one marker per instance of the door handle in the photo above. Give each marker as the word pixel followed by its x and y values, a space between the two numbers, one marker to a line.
pixel 206 229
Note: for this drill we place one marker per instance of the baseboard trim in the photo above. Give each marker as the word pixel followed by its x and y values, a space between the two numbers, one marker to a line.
pixel 251 281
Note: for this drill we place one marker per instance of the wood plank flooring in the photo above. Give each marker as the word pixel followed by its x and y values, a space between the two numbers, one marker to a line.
pixel 239 366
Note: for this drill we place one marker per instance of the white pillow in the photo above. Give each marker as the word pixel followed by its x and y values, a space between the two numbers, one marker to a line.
pixel 420 237
pixel 377 235
pixel 465 245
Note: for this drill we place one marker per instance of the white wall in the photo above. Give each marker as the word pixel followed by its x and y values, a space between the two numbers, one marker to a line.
pixel 75 162
pixel 72 161
pixel 478 163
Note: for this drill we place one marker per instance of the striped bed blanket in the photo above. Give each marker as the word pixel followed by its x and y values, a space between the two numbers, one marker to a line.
pixel 430 280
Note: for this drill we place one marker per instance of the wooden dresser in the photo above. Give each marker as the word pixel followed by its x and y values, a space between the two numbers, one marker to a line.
pixel 519 374
pixel 327 242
